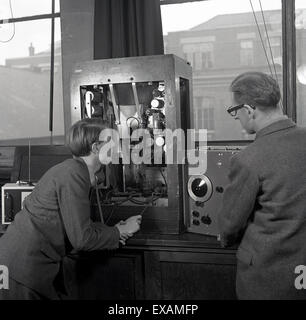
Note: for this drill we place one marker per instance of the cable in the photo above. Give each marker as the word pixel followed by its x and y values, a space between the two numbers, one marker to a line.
pixel 161 172
pixel 13 35
pixel 270 47
pixel 111 214
pixel 263 45
pixel 268 38
pixel 115 205
pixel 113 210
pixel 130 198
pixel 98 200
pixel 142 212
pixel 139 202
pixel 261 39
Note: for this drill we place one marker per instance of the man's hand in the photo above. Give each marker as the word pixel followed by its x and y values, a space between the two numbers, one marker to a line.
pixel 136 219
pixel 128 227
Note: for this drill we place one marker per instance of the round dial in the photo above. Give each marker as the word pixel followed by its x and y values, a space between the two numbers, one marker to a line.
pixel 200 188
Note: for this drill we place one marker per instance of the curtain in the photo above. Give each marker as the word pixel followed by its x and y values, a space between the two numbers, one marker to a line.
pixel 125 28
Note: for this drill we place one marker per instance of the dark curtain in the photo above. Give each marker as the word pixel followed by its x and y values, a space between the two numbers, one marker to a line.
pixel 125 28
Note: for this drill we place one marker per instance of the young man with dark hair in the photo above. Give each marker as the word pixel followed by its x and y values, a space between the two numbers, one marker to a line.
pixel 55 220
pixel 264 206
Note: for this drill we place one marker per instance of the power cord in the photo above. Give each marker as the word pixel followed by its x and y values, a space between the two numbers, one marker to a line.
pixel 13 35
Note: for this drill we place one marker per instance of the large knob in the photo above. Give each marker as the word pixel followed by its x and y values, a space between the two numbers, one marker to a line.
pixel 200 188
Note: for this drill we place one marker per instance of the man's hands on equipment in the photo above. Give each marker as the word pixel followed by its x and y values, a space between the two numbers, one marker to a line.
pixel 128 227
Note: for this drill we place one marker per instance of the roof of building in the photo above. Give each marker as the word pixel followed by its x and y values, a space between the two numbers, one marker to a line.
pixel 239 19
pixel 247 18
pixel 37 56
pixel 57 49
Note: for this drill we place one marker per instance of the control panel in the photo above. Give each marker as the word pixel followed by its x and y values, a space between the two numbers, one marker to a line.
pixel 205 190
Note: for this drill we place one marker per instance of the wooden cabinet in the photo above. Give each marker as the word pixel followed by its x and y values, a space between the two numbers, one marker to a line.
pixel 190 275
pixel 171 267
pixel 106 276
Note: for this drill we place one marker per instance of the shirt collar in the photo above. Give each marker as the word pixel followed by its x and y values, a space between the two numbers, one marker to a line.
pixel 278 125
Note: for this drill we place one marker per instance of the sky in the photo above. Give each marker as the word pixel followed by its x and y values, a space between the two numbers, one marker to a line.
pixel 37 32
pixel 26 7
pixel 187 15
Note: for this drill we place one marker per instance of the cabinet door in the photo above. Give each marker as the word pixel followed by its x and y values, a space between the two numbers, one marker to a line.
pixel 117 276
pixel 190 275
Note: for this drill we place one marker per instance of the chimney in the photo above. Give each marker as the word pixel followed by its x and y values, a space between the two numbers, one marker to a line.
pixel 31 50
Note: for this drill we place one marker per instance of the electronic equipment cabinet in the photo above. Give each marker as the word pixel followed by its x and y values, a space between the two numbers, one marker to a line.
pixel 150 93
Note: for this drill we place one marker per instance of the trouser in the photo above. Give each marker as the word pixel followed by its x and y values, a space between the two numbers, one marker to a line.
pixel 18 291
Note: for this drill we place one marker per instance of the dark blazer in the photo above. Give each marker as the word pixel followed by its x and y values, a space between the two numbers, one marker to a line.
pixel 54 220
pixel 264 207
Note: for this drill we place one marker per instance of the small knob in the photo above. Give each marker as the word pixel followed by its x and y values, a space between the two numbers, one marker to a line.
pixel 199 204
pixel 196 222
pixel 206 220
pixel 219 189
pixel 196 213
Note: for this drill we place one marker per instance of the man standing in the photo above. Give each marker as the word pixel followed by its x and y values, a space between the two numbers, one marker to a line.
pixel 264 206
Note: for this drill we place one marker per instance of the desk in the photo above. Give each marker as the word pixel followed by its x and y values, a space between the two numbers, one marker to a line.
pixel 186 266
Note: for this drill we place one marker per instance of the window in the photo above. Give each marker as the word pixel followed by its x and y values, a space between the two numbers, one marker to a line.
pixel 199 55
pixel 246 53
pixel 189 53
pixel 208 118
pixel 276 48
pixel 220 39
pixel 205 112
pixel 207 55
pixel 300 24
pixel 25 72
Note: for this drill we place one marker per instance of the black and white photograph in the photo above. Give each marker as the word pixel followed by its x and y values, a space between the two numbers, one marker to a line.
pixel 152 153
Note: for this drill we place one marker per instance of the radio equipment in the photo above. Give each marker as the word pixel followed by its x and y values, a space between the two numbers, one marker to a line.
pixel 12 195
pixel 30 164
pixel 205 190
pixel 150 94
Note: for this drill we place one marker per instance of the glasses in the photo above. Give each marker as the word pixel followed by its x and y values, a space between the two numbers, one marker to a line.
pixel 232 110
pixel 99 142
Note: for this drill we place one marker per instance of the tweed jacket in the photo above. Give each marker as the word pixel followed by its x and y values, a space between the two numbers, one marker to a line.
pixel 264 211
pixel 55 219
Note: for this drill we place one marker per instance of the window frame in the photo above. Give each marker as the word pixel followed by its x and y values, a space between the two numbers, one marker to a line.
pixel 288 53
pixel 51 16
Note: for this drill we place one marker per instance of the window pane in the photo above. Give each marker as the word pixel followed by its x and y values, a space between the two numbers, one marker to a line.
pixel 300 23
pixel 25 82
pixel 58 111
pixel 220 39
pixel 22 8
pixel 57 5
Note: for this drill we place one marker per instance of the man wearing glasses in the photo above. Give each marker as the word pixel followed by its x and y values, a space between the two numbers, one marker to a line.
pixel 264 206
